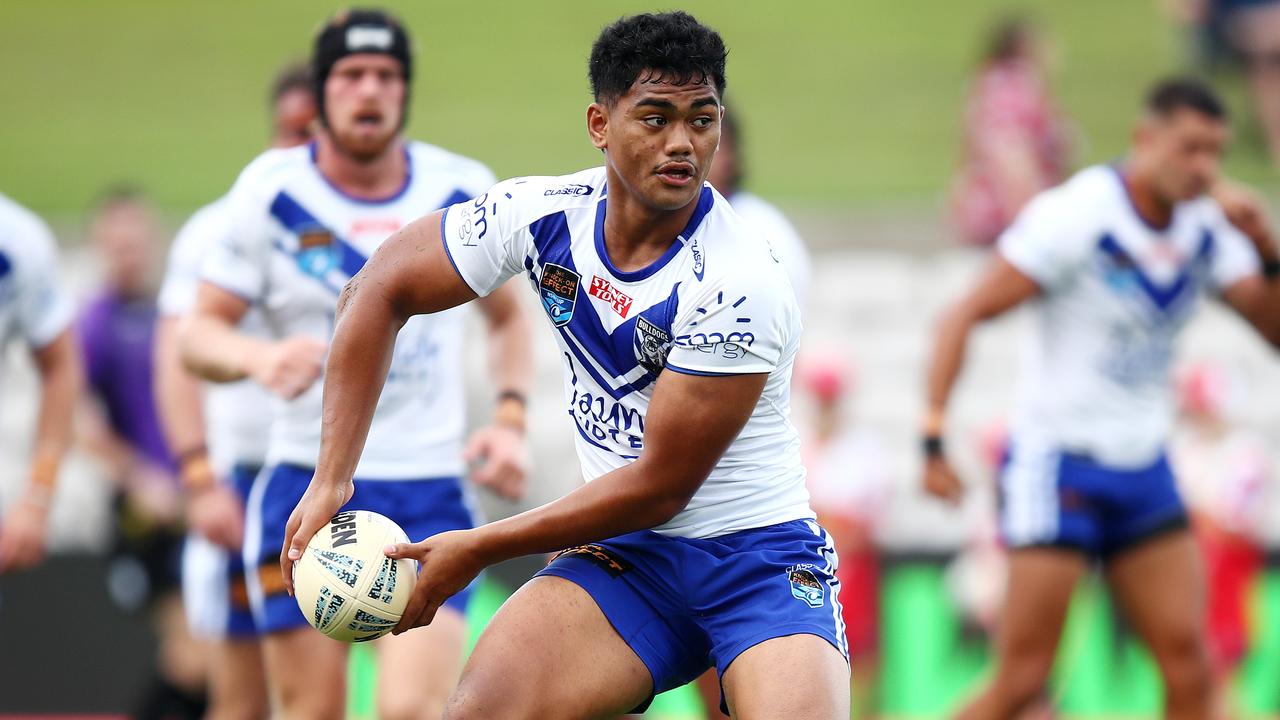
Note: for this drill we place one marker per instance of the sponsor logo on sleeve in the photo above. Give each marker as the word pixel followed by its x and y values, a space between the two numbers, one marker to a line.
pixel 558 289
pixel 616 299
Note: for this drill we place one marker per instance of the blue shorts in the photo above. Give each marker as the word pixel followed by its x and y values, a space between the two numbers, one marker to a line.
pixel 1055 499
pixel 421 508
pixel 686 604
pixel 213 585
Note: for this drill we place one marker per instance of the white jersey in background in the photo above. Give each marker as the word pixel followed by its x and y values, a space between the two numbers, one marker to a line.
pixel 769 222
pixel 1114 294
pixel 294 241
pixel 236 425
pixel 33 304
pixel 717 303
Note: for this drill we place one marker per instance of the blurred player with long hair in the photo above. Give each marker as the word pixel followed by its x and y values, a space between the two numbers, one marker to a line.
pixel 1113 264
pixel 302 223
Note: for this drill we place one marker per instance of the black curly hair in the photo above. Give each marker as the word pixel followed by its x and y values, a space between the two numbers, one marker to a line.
pixel 671 47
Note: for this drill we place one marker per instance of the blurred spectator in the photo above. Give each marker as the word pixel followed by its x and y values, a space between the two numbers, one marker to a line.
pixel 727 176
pixel 124 431
pixel 849 479
pixel 1246 32
pixel 1223 472
pixel 1016 143
pixel 33 306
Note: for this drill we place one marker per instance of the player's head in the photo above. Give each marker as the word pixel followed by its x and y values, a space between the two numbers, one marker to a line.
pixel 125 231
pixel 1180 139
pixel 657 80
pixel 362 66
pixel 293 106
pixel 729 168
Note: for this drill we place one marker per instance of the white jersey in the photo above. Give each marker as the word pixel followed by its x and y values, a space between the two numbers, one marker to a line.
pixel 769 222
pixel 33 304
pixel 294 241
pixel 235 423
pixel 1114 294
pixel 716 303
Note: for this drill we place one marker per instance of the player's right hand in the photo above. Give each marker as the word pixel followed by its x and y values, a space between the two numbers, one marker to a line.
pixel 290 366
pixel 318 505
pixel 941 481
pixel 216 514
pixel 22 536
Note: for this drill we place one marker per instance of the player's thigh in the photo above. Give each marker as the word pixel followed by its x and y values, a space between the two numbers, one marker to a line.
pixel 419 669
pixel 800 677
pixel 550 652
pixel 1038 594
pixel 1159 585
pixel 237 683
pixel 306 673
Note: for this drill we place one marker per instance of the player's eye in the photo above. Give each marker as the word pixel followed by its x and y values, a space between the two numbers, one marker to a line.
pixel 704 121
pixel 654 121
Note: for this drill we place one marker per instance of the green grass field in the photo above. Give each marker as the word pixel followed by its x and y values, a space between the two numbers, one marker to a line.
pixel 845 101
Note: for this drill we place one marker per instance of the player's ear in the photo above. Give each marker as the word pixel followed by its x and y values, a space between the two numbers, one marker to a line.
pixel 597 124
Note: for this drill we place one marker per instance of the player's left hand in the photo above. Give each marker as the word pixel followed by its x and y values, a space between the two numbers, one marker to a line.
pixel 22 535
pixel 318 505
pixel 503 459
pixel 449 562
pixel 1245 210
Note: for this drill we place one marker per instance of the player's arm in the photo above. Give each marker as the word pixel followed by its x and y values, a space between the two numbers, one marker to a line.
pixel 691 421
pixel 500 448
pixel 215 350
pixel 1256 297
pixel 22 532
pixel 1002 288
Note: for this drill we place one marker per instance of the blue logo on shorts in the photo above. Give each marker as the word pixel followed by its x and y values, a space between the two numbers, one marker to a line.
pixel 805 585
pixel 559 290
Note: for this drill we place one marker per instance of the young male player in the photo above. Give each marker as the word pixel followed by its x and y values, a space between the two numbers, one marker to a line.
pixel 217 463
pixel 35 308
pixel 693 543
pixel 303 221
pixel 1114 262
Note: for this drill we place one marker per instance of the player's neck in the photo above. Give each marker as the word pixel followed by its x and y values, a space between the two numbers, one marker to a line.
pixel 637 235
pixel 374 178
pixel 1147 203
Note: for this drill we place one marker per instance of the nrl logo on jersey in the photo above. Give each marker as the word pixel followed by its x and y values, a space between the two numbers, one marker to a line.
pixel 572 189
pixel 805 585
pixel 652 344
pixel 316 255
pixel 558 289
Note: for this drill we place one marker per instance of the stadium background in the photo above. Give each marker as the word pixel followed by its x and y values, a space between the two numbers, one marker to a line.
pixel 851 113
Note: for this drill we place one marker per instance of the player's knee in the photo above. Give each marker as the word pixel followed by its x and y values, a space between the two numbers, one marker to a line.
pixel 1023 679
pixel 471 703
pixel 316 701
pixel 1184 664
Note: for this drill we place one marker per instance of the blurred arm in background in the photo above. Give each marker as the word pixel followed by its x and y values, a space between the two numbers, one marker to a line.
pixel 1256 297
pixel 22 534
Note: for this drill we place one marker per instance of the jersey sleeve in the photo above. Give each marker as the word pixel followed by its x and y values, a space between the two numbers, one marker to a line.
pixel 1234 257
pixel 237 261
pixel 44 309
pixel 1044 242
pixel 182 273
pixel 484 238
pixel 741 325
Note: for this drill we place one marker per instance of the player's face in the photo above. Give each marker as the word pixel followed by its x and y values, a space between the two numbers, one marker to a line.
pixel 295 111
pixel 125 235
pixel 1186 152
pixel 363 99
pixel 659 139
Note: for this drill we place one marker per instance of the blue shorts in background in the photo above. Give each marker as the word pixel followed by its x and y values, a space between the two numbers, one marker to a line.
pixel 686 604
pixel 421 508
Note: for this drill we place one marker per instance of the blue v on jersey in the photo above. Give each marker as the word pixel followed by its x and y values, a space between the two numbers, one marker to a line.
pixel 716 303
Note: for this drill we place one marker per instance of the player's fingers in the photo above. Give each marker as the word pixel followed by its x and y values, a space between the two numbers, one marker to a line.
pixel 474 449
pixel 400 551
pixel 416 603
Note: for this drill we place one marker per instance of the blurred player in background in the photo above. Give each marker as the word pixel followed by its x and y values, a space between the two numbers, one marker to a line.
pixel 1113 262
pixel 693 544
pixel 1016 142
pixel 123 430
pixel 35 309
pixel 218 460
pixel 1224 472
pixel 727 176
pixel 302 222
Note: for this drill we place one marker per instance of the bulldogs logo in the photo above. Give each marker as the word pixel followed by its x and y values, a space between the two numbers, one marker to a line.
pixel 558 289
pixel 652 344
pixel 805 585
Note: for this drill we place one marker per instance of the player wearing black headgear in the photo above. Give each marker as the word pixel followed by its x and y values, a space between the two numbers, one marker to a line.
pixel 303 222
